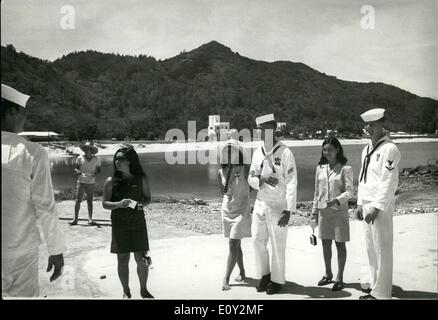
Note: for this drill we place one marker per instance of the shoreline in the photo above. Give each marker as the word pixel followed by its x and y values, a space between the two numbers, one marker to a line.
pixel 205 217
pixel 141 148
pixel 416 194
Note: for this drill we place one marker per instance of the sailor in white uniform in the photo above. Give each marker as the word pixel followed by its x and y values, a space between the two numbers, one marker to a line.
pixel 27 197
pixel 273 173
pixel 378 182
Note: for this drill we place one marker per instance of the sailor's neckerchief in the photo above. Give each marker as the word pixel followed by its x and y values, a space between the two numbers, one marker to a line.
pixel 268 156
pixel 367 159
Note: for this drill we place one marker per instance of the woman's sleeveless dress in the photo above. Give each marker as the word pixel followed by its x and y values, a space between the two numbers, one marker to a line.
pixel 129 232
pixel 236 217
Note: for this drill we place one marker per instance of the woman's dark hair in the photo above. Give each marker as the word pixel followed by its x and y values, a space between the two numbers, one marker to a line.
pixel 134 165
pixel 229 149
pixel 339 156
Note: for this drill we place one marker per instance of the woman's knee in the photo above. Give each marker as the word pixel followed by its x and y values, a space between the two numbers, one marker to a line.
pixel 123 258
pixel 340 246
pixel 79 197
pixel 139 257
pixel 326 242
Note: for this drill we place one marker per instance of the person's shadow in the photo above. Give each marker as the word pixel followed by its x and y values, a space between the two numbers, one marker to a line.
pixel 398 292
pixel 326 292
pixel 97 223
pixel 297 289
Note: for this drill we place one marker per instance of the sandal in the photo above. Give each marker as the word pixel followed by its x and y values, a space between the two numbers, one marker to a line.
pixel 325 280
pixel 73 222
pixel 339 285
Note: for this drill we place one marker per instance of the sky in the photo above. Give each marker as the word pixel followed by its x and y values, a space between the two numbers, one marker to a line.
pixel 331 36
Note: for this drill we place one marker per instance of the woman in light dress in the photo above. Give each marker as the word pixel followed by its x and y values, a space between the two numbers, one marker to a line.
pixel 333 188
pixel 236 218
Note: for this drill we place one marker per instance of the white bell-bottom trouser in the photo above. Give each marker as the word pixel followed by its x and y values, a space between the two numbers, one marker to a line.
pixel 379 244
pixel 264 228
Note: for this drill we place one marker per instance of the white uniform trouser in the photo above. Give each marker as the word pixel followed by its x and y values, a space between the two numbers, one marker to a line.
pixel 20 276
pixel 265 227
pixel 379 243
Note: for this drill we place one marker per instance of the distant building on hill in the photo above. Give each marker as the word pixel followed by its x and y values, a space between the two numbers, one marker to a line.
pixel 331 133
pixel 215 126
pixel 281 126
pixel 318 134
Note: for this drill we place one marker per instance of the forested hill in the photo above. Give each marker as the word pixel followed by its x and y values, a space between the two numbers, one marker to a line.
pixel 96 95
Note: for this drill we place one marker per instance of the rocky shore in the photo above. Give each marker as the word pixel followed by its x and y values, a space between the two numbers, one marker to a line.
pixel 417 193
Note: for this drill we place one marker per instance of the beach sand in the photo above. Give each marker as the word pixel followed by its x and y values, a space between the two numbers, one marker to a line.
pixel 110 149
pixel 189 253
pixel 190 265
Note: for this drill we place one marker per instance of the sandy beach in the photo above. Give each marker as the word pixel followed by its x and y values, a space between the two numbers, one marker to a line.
pixel 110 149
pixel 186 240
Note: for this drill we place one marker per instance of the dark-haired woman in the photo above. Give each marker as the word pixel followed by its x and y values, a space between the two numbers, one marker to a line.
pixel 236 218
pixel 333 188
pixel 129 184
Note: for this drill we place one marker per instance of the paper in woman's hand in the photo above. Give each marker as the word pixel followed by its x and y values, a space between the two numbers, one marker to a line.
pixel 132 204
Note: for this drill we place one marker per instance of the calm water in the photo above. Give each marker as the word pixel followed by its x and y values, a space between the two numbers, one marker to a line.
pixel 200 181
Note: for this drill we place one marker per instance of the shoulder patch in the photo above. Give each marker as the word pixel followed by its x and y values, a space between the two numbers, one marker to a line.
pixel 389 165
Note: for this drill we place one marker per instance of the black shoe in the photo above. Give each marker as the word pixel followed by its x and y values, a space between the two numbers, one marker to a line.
pixel 367 297
pixel 273 288
pixel 325 280
pixel 127 295
pixel 368 290
pixel 263 284
pixel 339 285
pixel 146 295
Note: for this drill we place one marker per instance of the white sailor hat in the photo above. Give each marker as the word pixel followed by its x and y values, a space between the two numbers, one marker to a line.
pixel 373 115
pixel 14 96
pixel 265 118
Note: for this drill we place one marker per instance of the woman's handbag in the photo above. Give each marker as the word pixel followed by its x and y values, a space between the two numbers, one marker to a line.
pixel 313 240
pixel 313 225
pixel 147 261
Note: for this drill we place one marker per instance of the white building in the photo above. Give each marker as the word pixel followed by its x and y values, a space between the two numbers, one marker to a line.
pixel 281 126
pixel 213 120
pixel 331 133
pixel 215 127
